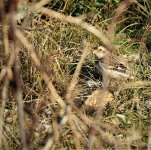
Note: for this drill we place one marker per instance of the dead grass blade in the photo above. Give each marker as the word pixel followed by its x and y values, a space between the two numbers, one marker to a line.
pixel 41 3
pixel 135 84
pixel 78 21
pixel 36 60
pixel 3 102
pixel 10 42
pixel 112 27
pixel 74 79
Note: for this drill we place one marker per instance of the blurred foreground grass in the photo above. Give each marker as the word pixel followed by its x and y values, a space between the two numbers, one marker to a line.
pixel 125 122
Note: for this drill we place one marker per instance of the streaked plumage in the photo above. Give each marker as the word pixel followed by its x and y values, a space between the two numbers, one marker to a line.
pixel 111 65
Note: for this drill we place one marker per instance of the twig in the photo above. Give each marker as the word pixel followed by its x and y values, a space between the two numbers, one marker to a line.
pixel 76 74
pixel 36 60
pixel 121 8
pixel 135 84
pixel 9 18
pixel 78 21
pixel 3 102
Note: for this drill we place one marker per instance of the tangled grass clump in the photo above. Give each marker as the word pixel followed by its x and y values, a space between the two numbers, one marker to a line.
pixel 52 96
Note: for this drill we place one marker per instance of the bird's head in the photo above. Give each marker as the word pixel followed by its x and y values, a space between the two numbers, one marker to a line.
pixel 101 52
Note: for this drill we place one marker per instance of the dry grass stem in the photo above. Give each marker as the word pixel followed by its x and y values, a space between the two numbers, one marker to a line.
pixel 78 21
pixel 41 3
pixel 74 79
pixel 135 84
pixel 49 52
pixel 112 27
pixel 38 64
pixel 3 102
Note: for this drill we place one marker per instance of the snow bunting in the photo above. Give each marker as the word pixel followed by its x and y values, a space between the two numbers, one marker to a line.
pixel 111 65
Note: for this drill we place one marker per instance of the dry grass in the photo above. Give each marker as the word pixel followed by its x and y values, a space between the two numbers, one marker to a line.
pixel 52 95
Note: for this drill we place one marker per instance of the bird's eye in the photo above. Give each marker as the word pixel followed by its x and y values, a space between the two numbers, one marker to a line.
pixel 122 66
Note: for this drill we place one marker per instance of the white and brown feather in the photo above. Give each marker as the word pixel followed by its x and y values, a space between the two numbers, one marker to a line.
pixel 111 65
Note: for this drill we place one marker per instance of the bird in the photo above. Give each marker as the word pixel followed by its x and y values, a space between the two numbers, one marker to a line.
pixel 111 65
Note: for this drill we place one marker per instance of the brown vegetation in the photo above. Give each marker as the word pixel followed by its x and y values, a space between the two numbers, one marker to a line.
pixel 52 96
